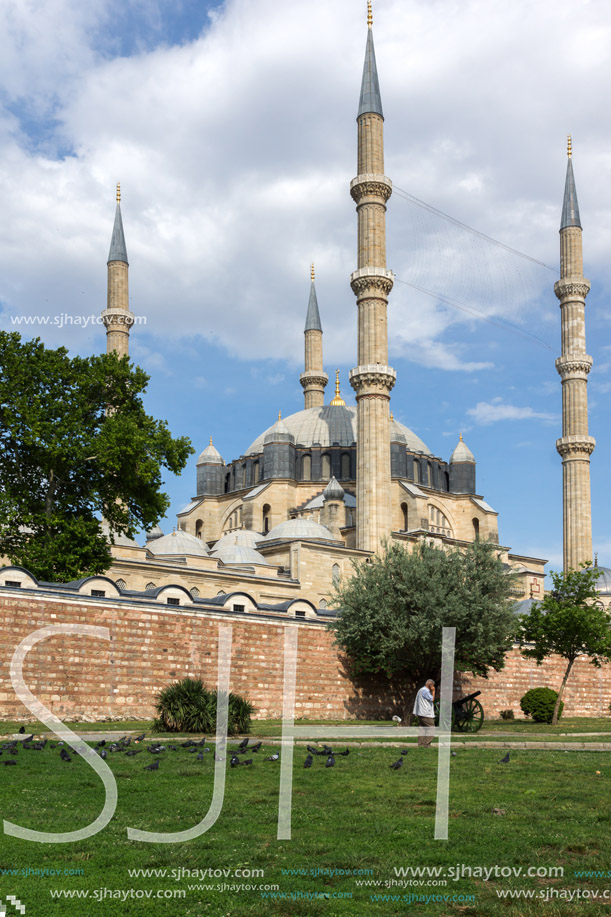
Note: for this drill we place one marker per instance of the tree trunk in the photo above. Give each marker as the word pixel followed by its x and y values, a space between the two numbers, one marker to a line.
pixel 561 692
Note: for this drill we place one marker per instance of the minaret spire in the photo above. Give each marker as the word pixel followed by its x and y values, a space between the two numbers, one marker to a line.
pixel 575 445
pixel 314 379
pixel 371 283
pixel 117 317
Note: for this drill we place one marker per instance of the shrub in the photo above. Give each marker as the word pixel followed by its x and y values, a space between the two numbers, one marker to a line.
pixel 539 703
pixel 188 706
pixel 507 715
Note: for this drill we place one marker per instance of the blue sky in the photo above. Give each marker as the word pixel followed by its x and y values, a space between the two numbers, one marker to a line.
pixel 231 127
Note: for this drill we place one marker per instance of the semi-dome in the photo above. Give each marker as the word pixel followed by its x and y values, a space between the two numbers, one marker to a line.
pixel 179 543
pixel 294 529
pixel 331 425
pixel 245 537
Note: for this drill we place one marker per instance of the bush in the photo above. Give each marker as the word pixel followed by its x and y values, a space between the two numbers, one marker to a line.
pixel 507 715
pixel 539 703
pixel 188 706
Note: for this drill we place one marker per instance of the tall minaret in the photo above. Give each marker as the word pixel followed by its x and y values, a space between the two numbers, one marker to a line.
pixel 314 378
pixel 575 446
pixel 117 317
pixel 371 283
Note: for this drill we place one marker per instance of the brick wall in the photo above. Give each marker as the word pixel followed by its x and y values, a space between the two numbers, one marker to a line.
pixel 85 678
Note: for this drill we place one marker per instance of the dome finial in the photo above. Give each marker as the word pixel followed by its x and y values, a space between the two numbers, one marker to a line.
pixel 569 146
pixel 118 192
pixel 596 560
pixel 210 443
pixel 369 15
pixel 392 416
pixel 338 401
pixel 279 415
pixel 312 276
pixel 460 437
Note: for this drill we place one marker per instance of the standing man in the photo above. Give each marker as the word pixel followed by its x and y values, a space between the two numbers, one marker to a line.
pixel 424 710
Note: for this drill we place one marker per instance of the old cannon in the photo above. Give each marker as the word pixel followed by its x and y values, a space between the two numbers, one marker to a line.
pixel 467 713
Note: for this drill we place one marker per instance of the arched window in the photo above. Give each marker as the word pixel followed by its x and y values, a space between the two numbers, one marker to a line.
pixel 476 529
pixel 266 517
pixel 325 467
pixel 322 604
pixel 221 592
pixel 243 476
pixel 345 472
pixel 195 592
pixel 404 511
pixel 306 468
pixel 416 471
pixel 150 586
pixel 121 584
pixel 255 472
pixel 429 474
pixel 227 482
pixel 447 477
pixel 335 574
pixel 438 522
pixel 198 528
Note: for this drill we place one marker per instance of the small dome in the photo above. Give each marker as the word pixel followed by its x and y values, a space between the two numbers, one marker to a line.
pixel 245 537
pixel 603 583
pixel 333 490
pixel 210 456
pixel 279 433
pixel 294 529
pixel 154 533
pixel 462 453
pixel 179 543
pixel 239 554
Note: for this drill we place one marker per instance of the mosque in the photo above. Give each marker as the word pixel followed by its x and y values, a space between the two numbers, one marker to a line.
pixel 269 533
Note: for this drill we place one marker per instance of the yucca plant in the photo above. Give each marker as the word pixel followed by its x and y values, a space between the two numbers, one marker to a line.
pixel 188 706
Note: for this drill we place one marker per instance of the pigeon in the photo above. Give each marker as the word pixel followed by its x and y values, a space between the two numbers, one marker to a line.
pixel 330 762
pixel 192 751
pixel 101 743
pixel 218 757
pixel 134 751
pixel 22 730
pixel 188 744
pixel 53 745
pixel 453 754
pixel 64 755
pixel 397 764
pixel 404 751
pixel 154 766
pixel 505 760
pixel 28 738
pixel 202 743
pixel 272 757
pixel 8 763
pixel 314 751
pixel 256 747
pixel 125 741
pixel 243 743
pixel 308 761
pixel 139 738
pixel 200 756
pixel 344 754
pixel 235 761
pixel 248 761
pixel 205 750
pixel 13 751
pixel 103 753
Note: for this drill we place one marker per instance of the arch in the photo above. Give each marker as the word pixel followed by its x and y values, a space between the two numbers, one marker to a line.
pixel 198 528
pixel 335 574
pixel 325 466
pixel 438 521
pixel 255 471
pixel 243 475
pixel 227 482
pixel 266 518
pixel 429 474
pixel 121 584
pixel 345 466
pixel 405 517
pixel 149 586
pixel 194 592
pixel 475 529
pixel 306 468
pixel 416 471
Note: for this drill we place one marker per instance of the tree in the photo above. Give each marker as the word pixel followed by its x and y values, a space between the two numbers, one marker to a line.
pixel 393 609
pixel 570 621
pixel 76 444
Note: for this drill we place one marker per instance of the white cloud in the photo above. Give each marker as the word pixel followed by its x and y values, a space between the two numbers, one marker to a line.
pixel 486 412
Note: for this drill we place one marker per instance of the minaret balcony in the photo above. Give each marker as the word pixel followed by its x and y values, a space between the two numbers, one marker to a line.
pixel 118 317
pixel 372 185
pixel 576 447
pixel 572 288
pixel 574 366
pixel 371 280
pixel 372 379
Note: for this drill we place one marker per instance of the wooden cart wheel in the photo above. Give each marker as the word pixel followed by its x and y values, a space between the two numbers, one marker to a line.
pixel 470 717
pixel 436 709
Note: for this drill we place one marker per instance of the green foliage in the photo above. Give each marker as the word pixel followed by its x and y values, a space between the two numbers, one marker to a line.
pixel 570 622
pixel 507 715
pixel 188 706
pixel 395 605
pixel 539 703
pixel 76 444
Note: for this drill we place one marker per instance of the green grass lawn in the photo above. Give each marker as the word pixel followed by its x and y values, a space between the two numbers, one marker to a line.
pixel 359 815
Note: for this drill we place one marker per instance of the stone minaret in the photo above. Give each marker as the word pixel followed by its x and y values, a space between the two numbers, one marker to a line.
pixel 372 379
pixel 314 378
pixel 117 317
pixel 575 445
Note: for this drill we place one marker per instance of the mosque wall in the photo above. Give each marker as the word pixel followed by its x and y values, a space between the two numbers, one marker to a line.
pixel 86 678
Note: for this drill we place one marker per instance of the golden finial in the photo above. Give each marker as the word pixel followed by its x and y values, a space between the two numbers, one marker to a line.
pixel 369 15
pixel 460 437
pixel 210 443
pixel 312 271
pixel 279 415
pixel 118 192
pixel 392 416
pixel 569 146
pixel 596 560
pixel 338 401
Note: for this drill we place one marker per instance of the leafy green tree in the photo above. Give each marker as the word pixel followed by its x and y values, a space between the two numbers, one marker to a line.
pixel 76 444
pixel 395 605
pixel 570 621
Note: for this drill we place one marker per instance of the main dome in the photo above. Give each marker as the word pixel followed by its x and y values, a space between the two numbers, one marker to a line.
pixel 334 425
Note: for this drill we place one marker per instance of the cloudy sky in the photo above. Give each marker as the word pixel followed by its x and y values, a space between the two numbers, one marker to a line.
pixel 231 127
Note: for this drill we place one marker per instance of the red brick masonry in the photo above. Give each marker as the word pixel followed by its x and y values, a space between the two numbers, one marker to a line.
pixel 83 677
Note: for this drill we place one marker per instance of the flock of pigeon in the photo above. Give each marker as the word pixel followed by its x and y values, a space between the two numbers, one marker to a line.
pixel 103 748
